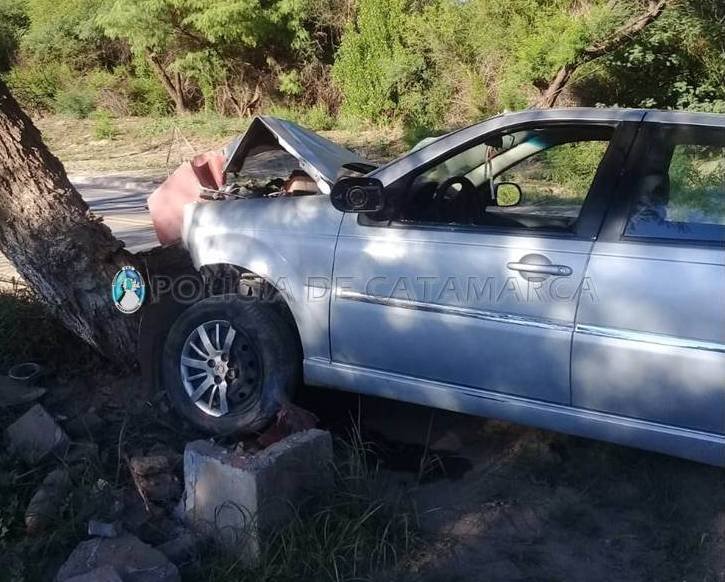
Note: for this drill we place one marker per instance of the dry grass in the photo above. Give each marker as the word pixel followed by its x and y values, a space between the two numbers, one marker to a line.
pixel 155 145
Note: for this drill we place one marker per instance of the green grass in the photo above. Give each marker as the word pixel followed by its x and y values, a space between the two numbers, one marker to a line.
pixel 362 528
pixel 203 124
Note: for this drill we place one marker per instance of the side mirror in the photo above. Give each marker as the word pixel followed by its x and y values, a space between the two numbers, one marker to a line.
pixel 507 194
pixel 357 194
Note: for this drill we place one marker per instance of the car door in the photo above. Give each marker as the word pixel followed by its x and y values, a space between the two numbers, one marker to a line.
pixel 486 302
pixel 651 346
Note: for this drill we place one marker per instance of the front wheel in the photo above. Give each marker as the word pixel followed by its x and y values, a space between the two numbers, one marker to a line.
pixel 229 364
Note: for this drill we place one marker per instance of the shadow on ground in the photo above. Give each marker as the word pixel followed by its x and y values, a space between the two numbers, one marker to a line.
pixel 503 502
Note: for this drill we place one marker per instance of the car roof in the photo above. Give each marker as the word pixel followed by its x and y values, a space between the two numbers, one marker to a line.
pixel 399 167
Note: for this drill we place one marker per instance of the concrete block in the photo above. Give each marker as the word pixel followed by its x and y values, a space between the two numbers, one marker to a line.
pixel 236 498
pixel 128 556
pixel 35 436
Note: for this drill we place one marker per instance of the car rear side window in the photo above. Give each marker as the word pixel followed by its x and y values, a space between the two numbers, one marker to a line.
pixel 680 194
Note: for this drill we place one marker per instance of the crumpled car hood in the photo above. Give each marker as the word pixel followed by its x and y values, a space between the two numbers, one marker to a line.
pixel 320 158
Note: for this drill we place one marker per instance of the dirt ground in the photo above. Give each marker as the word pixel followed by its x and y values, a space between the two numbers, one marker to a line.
pixel 141 145
pixel 501 502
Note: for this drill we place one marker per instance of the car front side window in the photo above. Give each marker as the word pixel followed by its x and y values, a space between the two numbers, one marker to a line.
pixel 528 179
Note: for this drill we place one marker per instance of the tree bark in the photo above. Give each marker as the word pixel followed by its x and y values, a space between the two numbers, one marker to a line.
pixel 172 84
pixel 550 93
pixel 64 253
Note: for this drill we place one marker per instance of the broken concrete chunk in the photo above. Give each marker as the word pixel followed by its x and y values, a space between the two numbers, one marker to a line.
pixel 234 498
pixel 102 574
pixel 181 549
pixel 13 392
pixel 45 504
pixel 154 477
pixel 35 436
pixel 132 560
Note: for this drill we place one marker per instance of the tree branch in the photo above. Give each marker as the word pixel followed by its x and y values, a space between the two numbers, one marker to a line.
pixel 550 94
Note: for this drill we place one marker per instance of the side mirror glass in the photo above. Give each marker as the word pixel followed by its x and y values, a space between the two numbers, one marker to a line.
pixel 507 194
pixel 357 194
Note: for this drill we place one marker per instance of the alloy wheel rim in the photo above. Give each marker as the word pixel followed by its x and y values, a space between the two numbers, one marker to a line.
pixel 220 368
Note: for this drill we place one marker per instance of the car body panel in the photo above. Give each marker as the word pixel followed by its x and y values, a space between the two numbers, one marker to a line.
pixel 429 303
pixel 319 157
pixel 657 316
pixel 289 242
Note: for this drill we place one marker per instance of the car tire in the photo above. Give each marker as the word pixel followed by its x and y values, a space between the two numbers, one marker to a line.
pixel 261 370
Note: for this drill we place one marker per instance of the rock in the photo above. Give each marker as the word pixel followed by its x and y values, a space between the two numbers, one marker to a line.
pixel 290 419
pixel 35 436
pixel 13 392
pixel 235 498
pixel 44 506
pixel 154 477
pixel 82 453
pixel 85 425
pixel 132 560
pixel 182 549
pixel 102 574
pixel 104 529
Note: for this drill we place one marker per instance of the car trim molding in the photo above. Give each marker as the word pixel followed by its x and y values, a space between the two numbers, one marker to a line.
pixel 705 447
pixel 649 338
pixel 494 316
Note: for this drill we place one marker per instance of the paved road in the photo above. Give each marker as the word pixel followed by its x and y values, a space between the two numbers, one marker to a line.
pixel 121 201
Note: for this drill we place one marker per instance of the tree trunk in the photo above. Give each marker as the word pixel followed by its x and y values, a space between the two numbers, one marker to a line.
pixel 550 93
pixel 173 85
pixel 64 253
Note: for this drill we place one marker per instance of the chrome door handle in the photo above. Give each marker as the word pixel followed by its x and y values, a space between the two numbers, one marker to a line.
pixel 560 270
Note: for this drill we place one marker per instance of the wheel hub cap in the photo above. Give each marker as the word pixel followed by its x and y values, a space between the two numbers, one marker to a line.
pixel 220 368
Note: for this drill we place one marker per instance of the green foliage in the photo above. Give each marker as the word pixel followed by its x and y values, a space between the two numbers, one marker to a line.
pixel 13 23
pixel 77 102
pixel 64 31
pixel 361 528
pixel 36 86
pixel 317 117
pixel 678 62
pixel 104 126
pixel 289 83
pixel 374 64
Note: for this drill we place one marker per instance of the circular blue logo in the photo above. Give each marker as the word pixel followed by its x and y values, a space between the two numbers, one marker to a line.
pixel 128 290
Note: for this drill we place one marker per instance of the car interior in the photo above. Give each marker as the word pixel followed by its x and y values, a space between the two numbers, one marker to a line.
pixel 489 184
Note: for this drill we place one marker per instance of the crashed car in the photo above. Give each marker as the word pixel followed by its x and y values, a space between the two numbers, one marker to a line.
pixel 273 158
pixel 563 269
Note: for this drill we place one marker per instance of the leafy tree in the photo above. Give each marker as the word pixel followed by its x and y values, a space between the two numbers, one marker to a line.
pixel 677 62
pixel 194 45
pixel 13 23
pixel 65 31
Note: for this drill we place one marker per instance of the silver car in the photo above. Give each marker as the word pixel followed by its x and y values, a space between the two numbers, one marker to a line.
pixel 563 269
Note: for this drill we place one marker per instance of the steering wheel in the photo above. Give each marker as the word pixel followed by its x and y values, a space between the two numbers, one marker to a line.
pixel 457 202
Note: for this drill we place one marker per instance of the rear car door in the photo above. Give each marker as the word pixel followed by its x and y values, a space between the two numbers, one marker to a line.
pixel 650 345
pixel 475 303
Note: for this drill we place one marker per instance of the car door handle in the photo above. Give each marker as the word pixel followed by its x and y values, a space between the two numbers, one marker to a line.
pixel 560 270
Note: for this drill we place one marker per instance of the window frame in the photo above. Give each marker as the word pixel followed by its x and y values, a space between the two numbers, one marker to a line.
pixel 615 224
pixel 594 207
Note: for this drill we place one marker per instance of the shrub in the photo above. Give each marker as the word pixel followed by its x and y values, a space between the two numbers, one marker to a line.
pixel 36 86
pixel 78 102
pixel 104 126
pixel 373 63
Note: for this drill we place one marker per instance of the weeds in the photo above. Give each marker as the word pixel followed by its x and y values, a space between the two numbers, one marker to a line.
pixel 363 527
pixel 197 125
pixel 104 126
